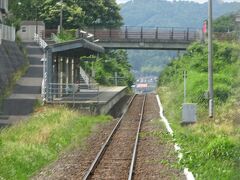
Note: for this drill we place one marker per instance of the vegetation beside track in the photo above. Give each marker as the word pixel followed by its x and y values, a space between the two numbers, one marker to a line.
pixel 28 146
pixel 211 147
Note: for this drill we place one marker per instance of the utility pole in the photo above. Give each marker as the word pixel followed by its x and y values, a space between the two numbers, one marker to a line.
pixel 116 78
pixel 36 18
pixel 210 61
pixel 185 86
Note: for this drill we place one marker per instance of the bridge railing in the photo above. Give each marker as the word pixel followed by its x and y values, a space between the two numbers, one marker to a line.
pixel 129 33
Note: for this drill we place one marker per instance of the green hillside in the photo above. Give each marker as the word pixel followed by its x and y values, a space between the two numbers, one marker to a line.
pixel 166 14
pixel 211 147
pixel 172 14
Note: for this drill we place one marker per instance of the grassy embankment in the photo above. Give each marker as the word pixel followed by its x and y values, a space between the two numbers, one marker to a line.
pixel 27 147
pixel 211 147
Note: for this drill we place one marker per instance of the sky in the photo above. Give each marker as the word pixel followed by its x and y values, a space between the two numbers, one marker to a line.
pixel 200 1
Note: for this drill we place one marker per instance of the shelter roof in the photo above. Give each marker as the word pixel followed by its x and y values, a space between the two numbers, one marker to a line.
pixel 77 47
pixel 28 23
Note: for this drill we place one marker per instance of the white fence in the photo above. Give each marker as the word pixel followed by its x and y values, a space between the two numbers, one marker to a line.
pixel 7 33
pixel 4 4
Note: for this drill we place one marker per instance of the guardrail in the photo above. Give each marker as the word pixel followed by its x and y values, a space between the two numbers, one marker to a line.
pixel 7 33
pixel 72 92
pixel 128 33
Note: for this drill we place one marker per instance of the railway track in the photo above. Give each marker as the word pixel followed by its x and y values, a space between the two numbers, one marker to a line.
pixel 117 157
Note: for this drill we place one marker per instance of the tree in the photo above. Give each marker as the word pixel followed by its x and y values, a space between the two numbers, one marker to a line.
pixel 25 9
pixel 76 13
pixel 73 15
pixel 225 23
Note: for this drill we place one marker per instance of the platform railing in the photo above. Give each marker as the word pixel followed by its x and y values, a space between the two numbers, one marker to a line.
pixel 72 92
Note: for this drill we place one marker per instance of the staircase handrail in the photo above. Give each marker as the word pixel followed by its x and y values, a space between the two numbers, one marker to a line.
pixel 43 45
pixel 40 41
pixel 84 76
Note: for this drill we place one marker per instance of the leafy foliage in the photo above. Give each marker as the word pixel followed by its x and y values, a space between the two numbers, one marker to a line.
pixel 76 13
pixel 109 63
pixel 225 23
pixel 195 62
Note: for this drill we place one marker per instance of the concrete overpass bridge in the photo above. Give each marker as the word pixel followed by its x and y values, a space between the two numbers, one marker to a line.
pixel 157 38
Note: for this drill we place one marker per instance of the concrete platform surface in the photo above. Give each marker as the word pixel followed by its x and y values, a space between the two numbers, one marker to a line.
pixel 99 103
pixel 107 93
pixel 85 96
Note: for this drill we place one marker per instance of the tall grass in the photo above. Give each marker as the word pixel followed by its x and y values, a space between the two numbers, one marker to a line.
pixel 28 146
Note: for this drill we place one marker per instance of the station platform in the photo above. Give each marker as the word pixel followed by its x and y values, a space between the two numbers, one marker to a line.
pixel 101 103
pixel 96 103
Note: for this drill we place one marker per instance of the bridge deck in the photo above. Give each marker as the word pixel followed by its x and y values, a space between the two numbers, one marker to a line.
pixel 145 37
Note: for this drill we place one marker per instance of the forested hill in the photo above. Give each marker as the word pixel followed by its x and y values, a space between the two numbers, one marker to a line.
pixel 168 14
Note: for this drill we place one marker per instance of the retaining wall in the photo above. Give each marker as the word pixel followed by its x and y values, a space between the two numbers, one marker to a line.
pixel 11 59
pixel 105 108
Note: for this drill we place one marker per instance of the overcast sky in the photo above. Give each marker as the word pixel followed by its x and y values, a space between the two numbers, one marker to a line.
pixel 200 1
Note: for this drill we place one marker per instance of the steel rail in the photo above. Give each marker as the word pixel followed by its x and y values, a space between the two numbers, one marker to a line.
pixel 134 155
pixel 106 144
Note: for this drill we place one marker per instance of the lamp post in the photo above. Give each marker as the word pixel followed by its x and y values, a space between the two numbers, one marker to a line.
pixel 210 61
pixel 61 16
pixel 36 18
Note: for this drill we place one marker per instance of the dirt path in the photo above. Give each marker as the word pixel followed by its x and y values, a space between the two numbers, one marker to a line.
pixel 156 158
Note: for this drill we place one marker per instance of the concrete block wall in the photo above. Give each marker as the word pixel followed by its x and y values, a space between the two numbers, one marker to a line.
pixel 11 59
